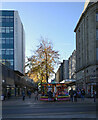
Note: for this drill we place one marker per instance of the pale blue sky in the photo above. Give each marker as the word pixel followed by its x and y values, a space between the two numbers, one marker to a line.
pixel 56 21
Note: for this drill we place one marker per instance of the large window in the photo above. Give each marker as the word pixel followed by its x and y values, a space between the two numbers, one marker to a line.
pixel 7 41
pixel 6 19
pixel 6 29
pixel 9 51
pixel 3 52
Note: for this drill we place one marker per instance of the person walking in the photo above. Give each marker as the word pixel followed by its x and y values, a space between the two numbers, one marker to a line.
pixel 75 96
pixel 23 95
pixel 50 95
pixel 71 94
pixel 95 96
pixel 82 94
pixel 36 95
pixel 29 94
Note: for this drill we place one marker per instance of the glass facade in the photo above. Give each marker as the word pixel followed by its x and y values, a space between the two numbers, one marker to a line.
pixel 7 38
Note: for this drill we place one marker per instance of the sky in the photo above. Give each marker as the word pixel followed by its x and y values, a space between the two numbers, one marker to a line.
pixel 53 20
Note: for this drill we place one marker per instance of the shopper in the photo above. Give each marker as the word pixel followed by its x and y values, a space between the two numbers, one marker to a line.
pixel 95 96
pixel 50 95
pixel 75 96
pixel 29 94
pixel 36 95
pixel 71 94
pixel 82 94
pixel 23 95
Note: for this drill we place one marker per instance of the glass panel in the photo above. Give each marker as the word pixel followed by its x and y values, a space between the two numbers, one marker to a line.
pixel 3 52
pixel 7 20
pixel 7 52
pixel 0 40
pixel 7 41
pixel 11 19
pixel 3 29
pixel 11 62
pixel 7 30
pixel 0 52
pixel 3 20
pixel 0 29
pixel 11 29
pixel 11 40
pixel 11 52
pixel 3 40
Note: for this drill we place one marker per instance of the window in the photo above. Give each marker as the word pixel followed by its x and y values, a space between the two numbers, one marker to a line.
pixel 11 19
pixel 0 29
pixel 3 29
pixel 3 52
pixel 0 19
pixel 3 40
pixel 11 62
pixel 11 40
pixel 7 41
pixel 7 30
pixel 0 52
pixel 96 16
pixel 97 34
pixel 11 29
pixel 11 52
pixel 0 40
pixel 97 54
pixel 7 52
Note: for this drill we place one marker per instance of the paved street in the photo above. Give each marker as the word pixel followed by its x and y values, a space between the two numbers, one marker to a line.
pixel 16 108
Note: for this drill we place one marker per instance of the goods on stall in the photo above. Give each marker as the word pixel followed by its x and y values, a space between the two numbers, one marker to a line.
pixel 58 90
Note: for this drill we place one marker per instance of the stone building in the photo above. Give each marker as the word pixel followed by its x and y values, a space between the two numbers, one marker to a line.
pixel 87 48
pixel 72 65
pixel 65 69
pixel 62 73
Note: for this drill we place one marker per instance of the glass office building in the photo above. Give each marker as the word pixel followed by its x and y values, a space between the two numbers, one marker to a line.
pixel 12 40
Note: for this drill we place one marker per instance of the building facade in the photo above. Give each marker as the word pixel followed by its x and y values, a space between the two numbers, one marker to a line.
pixel 65 69
pixel 13 82
pixel 87 48
pixel 72 65
pixel 12 40
pixel 62 72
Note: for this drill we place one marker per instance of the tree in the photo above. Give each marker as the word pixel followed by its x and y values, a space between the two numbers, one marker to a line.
pixel 41 63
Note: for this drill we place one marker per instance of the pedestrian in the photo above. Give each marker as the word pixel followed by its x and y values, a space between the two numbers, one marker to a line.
pixel 95 96
pixel 36 95
pixel 75 96
pixel 23 95
pixel 54 96
pixel 50 95
pixel 8 95
pixel 71 94
pixel 82 94
pixel 29 94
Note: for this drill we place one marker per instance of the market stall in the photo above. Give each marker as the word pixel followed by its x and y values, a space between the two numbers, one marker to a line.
pixel 58 92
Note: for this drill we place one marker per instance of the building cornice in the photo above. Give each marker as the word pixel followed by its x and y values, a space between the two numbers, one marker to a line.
pixel 83 14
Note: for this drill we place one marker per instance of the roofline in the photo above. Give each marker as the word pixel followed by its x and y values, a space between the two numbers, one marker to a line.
pixel 8 10
pixel 83 13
